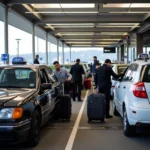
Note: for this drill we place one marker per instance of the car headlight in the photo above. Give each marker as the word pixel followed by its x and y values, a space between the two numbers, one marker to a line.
pixel 11 113
pixel 6 113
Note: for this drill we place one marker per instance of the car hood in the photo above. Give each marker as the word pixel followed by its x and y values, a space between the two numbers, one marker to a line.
pixel 15 97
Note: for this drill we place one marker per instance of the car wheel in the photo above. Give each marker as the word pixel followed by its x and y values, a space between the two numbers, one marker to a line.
pixel 115 112
pixel 128 129
pixel 34 134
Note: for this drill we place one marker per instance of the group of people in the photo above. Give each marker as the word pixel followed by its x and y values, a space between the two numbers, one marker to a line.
pixel 101 77
pixel 75 75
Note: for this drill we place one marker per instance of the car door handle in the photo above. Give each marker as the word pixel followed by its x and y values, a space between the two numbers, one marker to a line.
pixel 124 87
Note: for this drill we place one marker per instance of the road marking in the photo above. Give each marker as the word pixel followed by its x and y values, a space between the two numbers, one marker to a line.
pixel 76 125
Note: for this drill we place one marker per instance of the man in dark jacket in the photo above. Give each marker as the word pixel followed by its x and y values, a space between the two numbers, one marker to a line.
pixel 76 72
pixel 103 80
pixel 94 64
pixel 94 67
pixel 36 61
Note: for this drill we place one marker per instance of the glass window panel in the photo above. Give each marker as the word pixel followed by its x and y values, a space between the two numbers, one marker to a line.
pixel 86 54
pixel 52 53
pixel 24 45
pixel 66 55
pixel 42 51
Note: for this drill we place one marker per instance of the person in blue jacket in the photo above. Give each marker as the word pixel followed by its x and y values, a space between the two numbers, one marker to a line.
pixel 36 61
pixel 94 67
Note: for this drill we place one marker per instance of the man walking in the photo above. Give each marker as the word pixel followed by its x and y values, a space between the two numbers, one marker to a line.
pixel 36 61
pixel 103 78
pixel 76 72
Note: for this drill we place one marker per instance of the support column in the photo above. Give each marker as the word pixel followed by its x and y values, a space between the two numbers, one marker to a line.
pixel 46 47
pixel 33 41
pixel 139 44
pixel 117 53
pixel 146 50
pixel 122 53
pixel 63 52
pixel 127 53
pixel 70 53
pixel 6 33
pixel 57 49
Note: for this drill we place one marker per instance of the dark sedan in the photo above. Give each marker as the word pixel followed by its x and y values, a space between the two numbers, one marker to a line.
pixel 28 97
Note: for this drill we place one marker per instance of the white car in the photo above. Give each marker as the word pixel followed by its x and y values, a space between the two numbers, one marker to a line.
pixel 118 69
pixel 132 97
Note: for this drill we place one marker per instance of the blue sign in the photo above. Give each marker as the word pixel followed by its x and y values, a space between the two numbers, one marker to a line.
pixel 4 57
pixel 18 60
pixel 125 56
pixel 41 58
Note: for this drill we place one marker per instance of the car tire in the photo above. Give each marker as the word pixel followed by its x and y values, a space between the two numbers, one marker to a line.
pixel 128 129
pixel 115 112
pixel 34 134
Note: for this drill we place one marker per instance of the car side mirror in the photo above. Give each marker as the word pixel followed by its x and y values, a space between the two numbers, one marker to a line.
pixel 46 86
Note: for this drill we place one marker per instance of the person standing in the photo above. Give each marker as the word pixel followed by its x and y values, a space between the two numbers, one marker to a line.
pixel 96 70
pixel 94 67
pixel 103 77
pixel 76 72
pixel 61 74
pixel 36 61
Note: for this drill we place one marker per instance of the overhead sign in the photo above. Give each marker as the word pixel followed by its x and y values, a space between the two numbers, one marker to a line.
pixel 109 50
pixel 4 57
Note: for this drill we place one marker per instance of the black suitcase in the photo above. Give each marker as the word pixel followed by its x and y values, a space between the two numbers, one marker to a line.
pixel 64 108
pixel 96 107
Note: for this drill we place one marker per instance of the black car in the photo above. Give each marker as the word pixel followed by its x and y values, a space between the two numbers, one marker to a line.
pixel 28 97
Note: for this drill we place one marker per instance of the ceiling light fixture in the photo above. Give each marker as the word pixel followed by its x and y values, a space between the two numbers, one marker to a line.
pixel 60 12
pixel 130 12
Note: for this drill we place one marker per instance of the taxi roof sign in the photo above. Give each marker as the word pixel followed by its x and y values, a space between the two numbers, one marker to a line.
pixel 19 60
pixel 143 56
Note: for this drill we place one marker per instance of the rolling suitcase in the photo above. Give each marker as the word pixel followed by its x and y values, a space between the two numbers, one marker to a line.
pixel 87 84
pixel 96 107
pixel 64 108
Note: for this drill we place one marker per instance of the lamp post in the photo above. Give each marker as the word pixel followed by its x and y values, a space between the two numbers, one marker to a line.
pixel 18 40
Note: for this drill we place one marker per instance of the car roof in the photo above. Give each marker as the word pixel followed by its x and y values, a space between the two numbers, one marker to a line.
pixel 141 62
pixel 23 66
pixel 120 65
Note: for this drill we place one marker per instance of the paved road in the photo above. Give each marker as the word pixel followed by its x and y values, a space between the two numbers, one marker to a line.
pixel 95 136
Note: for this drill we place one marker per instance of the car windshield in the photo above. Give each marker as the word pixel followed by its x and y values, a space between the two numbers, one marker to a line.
pixel 17 78
pixel 121 69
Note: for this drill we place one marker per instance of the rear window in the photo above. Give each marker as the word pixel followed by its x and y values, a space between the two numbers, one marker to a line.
pixel 146 74
pixel 121 69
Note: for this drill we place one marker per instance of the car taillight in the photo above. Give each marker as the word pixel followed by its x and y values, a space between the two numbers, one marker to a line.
pixel 139 90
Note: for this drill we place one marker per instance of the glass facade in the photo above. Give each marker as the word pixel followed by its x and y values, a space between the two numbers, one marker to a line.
pixel 1 39
pixel 20 44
